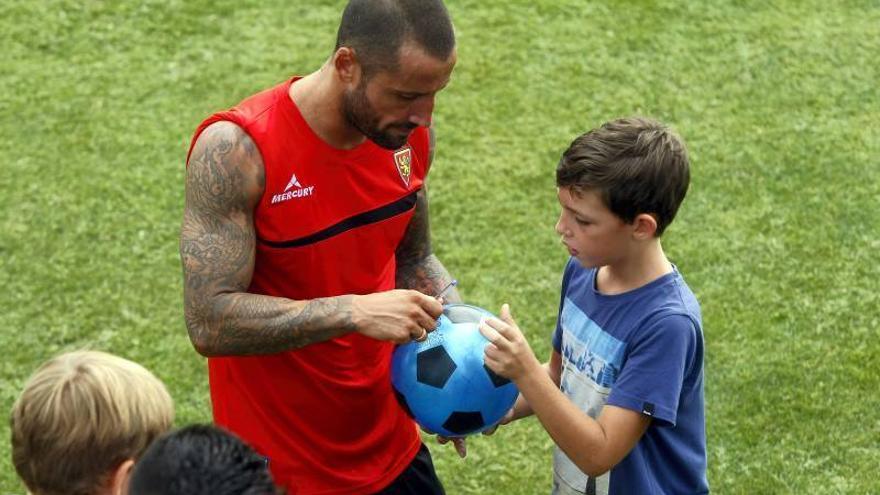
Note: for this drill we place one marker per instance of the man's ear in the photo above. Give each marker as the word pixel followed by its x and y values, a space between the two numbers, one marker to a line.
pixel 347 67
pixel 644 226
pixel 120 476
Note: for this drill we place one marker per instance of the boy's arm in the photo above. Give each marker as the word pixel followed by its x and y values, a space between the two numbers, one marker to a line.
pixel 595 446
pixel 521 408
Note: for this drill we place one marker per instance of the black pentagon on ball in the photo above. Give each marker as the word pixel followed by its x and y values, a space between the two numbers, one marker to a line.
pixel 462 423
pixel 434 366
pixel 497 380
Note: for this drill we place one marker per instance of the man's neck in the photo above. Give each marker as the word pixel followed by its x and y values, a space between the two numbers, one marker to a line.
pixel 641 268
pixel 319 99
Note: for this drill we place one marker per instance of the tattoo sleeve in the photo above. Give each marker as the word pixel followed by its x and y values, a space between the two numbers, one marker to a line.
pixel 224 181
pixel 417 266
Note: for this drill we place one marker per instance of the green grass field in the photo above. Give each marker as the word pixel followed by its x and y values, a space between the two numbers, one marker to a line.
pixel 779 237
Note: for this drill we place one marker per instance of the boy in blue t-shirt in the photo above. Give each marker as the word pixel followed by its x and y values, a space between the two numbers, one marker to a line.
pixel 622 395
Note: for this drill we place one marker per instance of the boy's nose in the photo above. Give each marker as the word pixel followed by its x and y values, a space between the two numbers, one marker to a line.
pixel 562 229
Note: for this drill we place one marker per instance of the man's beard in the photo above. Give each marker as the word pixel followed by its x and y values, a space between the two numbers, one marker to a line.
pixel 360 114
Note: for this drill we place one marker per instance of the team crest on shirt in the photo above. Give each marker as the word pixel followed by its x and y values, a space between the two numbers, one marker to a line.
pixel 403 161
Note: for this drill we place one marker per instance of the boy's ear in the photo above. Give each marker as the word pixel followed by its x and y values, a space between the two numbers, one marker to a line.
pixel 644 226
pixel 120 476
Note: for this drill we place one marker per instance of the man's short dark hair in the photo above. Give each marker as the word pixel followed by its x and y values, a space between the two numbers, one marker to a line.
pixel 637 165
pixel 201 460
pixel 376 29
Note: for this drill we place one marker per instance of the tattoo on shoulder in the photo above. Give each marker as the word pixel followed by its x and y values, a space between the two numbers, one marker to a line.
pixel 225 173
pixel 224 181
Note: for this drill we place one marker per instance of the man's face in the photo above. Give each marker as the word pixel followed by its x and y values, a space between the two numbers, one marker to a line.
pixel 388 105
pixel 589 230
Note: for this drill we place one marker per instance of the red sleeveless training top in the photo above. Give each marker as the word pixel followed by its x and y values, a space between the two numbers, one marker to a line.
pixel 328 224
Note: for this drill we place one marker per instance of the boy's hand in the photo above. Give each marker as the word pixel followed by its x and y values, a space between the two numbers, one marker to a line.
pixel 508 354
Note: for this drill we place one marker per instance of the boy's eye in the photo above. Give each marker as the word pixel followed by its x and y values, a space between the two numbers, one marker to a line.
pixel 407 96
pixel 581 221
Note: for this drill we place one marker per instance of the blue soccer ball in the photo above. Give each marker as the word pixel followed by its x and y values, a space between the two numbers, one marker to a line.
pixel 443 382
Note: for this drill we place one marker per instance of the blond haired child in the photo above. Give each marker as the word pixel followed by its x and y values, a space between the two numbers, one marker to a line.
pixel 82 420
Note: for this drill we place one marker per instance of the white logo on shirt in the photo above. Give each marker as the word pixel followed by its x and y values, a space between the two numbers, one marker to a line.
pixel 291 193
pixel 293 182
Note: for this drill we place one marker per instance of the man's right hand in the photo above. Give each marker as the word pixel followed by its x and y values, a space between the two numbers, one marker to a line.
pixel 397 315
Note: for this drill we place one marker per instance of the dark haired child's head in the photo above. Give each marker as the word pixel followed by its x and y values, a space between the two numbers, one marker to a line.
pixel 626 178
pixel 201 460
pixel 636 165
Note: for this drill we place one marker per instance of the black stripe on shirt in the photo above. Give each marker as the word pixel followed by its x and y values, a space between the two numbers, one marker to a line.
pixel 402 205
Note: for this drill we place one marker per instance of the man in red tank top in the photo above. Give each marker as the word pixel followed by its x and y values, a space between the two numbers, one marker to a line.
pixel 306 254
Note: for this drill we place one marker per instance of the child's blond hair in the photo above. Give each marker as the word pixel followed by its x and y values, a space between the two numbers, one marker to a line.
pixel 82 414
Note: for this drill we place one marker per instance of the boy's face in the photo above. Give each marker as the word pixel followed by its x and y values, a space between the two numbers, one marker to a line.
pixel 589 230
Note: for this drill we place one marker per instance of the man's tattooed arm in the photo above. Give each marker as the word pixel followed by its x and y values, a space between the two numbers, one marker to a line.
pixel 224 181
pixel 417 266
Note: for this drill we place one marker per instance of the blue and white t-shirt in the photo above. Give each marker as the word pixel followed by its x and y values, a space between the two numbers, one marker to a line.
pixel 640 350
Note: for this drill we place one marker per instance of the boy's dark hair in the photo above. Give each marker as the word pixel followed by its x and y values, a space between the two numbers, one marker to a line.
pixel 637 165
pixel 376 29
pixel 201 460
